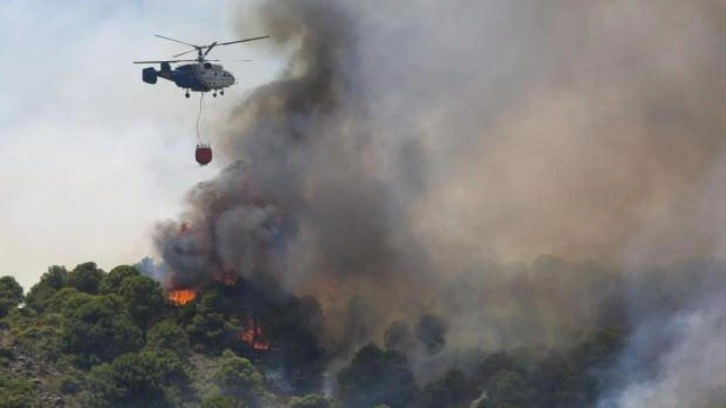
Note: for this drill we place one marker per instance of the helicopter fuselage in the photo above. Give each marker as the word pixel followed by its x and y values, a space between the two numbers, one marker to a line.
pixel 197 77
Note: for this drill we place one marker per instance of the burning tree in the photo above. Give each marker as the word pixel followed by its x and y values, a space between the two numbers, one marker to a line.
pixel 253 335
pixel 181 297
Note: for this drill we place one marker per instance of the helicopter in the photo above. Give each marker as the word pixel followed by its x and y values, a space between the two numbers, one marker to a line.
pixel 199 76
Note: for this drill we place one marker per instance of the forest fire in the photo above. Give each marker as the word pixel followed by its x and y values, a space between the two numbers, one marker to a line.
pixel 181 297
pixel 253 335
pixel 228 279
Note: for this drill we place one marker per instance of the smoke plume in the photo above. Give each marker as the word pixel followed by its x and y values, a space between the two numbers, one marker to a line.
pixel 414 161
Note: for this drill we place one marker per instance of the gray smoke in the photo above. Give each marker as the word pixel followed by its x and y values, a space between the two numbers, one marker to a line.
pixel 415 159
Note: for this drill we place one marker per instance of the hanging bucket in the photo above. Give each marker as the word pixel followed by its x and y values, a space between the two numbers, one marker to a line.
pixel 203 154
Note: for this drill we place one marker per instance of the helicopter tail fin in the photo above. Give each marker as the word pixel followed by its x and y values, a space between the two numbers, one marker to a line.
pixel 149 75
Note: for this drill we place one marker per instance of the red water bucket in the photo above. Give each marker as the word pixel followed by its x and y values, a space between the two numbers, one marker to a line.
pixel 203 154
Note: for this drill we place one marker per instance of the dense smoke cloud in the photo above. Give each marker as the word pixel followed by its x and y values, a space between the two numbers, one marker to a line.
pixel 413 154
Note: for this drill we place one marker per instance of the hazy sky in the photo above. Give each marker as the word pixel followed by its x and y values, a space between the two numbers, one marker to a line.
pixel 90 156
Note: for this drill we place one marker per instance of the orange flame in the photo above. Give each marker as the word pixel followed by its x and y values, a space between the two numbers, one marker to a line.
pixel 181 297
pixel 253 335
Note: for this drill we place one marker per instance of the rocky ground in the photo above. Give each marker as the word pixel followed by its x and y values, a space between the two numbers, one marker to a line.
pixel 19 363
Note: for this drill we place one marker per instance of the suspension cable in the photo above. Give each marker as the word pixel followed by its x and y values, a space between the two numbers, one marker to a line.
pixel 199 115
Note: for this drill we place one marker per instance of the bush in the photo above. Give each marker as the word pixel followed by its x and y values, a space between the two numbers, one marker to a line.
pixel 15 393
pixel 237 377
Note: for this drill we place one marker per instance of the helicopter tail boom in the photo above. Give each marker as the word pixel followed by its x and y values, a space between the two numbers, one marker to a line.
pixel 150 75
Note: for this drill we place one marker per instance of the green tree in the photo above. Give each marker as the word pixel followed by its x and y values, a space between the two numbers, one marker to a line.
pixel 167 335
pixel 51 281
pixel 311 401
pixel 136 380
pixel 85 277
pixel 223 401
pixel 65 301
pixel 508 389
pixel 376 377
pixel 557 381
pixel 237 377
pixel 99 330
pixel 144 300
pixel 496 362
pixel 11 294
pixel 453 390
pixel 575 377
pixel 212 326
pixel 15 393
pixel 55 277
pixel 111 282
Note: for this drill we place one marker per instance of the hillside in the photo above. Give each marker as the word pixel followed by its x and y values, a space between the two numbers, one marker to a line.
pixel 89 338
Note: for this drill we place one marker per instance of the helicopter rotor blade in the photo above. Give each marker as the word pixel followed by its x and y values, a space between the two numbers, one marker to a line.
pixel 244 40
pixel 203 50
pixel 209 48
pixel 184 53
pixel 159 62
pixel 178 41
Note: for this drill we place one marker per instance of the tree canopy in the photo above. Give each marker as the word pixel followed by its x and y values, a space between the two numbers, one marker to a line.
pixel 102 339
pixel 100 330
pixel 11 294
pixel 237 377
pixel 377 377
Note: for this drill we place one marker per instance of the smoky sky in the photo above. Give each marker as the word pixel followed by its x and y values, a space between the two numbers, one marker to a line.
pixel 443 158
